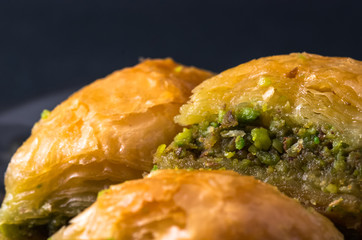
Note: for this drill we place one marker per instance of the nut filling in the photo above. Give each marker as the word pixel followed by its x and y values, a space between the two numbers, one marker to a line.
pixel 310 163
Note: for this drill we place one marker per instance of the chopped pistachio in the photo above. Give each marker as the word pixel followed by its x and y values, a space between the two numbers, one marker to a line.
pixel 270 169
pixel 183 138
pixel 267 158
pixel 264 81
pixel 339 164
pixel 214 124
pixel 155 167
pixel 332 188
pixel 221 115
pixel 295 149
pixel 252 149
pixel 312 131
pixel 160 150
pixel 45 114
pixel 247 114
pixel 101 193
pixel 337 146
pixel 261 138
pixel 302 132
pixel 239 143
pixel 245 163
pixel 229 154
pixel 277 145
pixel 281 166
pixel 232 133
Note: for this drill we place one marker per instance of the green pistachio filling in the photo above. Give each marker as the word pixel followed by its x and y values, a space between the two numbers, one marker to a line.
pixel 310 163
pixel 45 114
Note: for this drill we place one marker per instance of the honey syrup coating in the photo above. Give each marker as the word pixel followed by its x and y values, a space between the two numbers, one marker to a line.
pixel 181 204
pixel 103 134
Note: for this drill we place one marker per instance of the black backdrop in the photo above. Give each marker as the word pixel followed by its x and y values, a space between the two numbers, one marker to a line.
pixel 47 47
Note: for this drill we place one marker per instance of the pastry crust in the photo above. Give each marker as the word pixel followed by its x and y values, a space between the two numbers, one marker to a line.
pixel 321 90
pixel 293 121
pixel 103 134
pixel 181 204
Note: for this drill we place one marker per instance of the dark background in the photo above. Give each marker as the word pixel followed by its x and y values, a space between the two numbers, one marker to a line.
pixel 50 48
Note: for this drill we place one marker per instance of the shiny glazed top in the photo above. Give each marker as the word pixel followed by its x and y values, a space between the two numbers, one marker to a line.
pixel 316 89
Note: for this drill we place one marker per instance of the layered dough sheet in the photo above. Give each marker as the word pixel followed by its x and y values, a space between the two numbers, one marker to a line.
pixel 103 134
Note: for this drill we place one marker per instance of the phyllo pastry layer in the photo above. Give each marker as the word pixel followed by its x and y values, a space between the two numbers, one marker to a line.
pixel 181 204
pixel 103 134
pixel 294 121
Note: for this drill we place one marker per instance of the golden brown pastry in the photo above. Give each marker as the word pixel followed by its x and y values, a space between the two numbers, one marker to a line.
pixel 181 204
pixel 294 121
pixel 103 134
